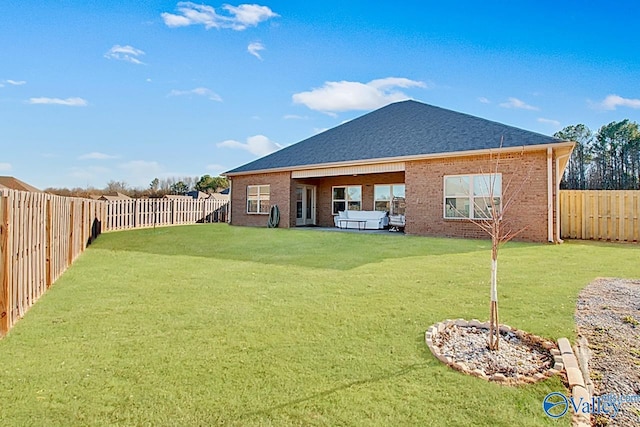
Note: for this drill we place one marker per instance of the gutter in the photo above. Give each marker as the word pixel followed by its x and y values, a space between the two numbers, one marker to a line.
pixel 550 194
pixel 518 149
pixel 557 213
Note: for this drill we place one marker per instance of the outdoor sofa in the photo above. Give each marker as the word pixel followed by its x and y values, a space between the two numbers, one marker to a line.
pixel 362 220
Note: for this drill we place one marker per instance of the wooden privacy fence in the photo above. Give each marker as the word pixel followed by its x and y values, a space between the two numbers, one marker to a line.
pixel 600 215
pixel 142 213
pixel 40 236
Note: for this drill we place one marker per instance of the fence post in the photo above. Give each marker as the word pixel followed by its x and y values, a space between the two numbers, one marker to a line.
pixel 49 241
pixel 136 212
pixel 70 252
pixel 5 310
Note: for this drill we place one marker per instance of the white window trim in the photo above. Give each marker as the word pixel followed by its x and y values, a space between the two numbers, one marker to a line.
pixel 259 200
pixel 392 195
pixel 346 200
pixel 469 195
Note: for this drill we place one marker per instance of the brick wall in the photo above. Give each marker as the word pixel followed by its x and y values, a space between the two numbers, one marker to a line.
pixel 281 194
pixel 324 191
pixel 425 198
pixel 424 180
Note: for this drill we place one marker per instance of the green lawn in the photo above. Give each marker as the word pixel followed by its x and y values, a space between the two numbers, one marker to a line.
pixel 211 324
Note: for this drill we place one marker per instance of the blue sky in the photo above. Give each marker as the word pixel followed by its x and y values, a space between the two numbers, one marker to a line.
pixel 92 91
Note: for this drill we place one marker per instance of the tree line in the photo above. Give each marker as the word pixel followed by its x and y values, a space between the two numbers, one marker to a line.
pixel 157 188
pixel 608 159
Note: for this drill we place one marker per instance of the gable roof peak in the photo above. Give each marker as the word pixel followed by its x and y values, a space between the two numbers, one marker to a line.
pixel 406 128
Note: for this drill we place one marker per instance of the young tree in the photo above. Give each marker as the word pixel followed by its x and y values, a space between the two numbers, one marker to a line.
pixel 491 215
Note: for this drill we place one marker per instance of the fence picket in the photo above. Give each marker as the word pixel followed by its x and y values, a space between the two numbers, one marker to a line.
pixel 42 234
pixel 600 215
pixel 144 213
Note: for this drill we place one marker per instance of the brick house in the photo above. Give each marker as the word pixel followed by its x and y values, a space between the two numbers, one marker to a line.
pixel 427 155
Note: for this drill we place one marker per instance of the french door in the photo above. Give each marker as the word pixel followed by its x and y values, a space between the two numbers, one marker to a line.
pixel 305 205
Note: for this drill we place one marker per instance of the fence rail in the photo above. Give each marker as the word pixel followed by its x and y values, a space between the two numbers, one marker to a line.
pixel 40 236
pixel 144 213
pixel 600 215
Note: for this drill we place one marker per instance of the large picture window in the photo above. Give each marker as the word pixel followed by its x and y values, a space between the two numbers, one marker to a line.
pixel 346 198
pixel 383 194
pixel 258 199
pixel 469 196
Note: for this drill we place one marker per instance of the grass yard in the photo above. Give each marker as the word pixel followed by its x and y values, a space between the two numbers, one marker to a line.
pixel 211 324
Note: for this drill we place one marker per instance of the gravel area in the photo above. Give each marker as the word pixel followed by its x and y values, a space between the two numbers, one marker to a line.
pixel 516 356
pixel 608 316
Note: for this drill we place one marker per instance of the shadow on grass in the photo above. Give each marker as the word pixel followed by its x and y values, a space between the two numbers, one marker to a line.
pixel 422 349
pixel 298 247
pixel 321 394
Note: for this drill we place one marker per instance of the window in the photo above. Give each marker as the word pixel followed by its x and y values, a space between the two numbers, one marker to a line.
pixel 469 196
pixel 347 198
pixel 258 199
pixel 383 194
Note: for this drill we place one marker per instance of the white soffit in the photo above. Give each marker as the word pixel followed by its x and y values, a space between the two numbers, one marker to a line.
pixel 349 170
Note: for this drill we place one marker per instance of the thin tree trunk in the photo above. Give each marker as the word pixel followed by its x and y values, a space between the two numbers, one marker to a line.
pixel 494 326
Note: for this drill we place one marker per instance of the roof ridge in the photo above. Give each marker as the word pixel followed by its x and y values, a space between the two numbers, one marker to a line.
pixel 405 128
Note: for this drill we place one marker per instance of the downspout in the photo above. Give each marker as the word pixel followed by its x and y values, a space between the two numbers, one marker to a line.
pixel 550 194
pixel 557 213
pixel 229 206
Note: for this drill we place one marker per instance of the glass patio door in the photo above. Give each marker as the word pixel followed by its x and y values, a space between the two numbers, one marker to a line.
pixel 305 205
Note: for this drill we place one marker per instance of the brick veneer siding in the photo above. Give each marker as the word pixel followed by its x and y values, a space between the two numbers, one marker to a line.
pixel 424 181
pixel 324 191
pixel 281 194
pixel 425 200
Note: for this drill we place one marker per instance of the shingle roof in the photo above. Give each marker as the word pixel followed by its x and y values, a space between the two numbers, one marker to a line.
pixel 407 128
pixel 12 183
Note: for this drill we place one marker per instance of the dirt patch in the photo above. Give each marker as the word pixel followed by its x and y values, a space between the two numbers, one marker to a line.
pixel 608 316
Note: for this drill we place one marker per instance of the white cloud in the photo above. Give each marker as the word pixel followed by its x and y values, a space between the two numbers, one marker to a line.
pixel 4 166
pixel 346 96
pixel 611 102
pixel 199 91
pixel 249 15
pixel 13 82
pixel 516 103
pixel 255 48
pixel 237 17
pixel 96 156
pixel 125 53
pixel 70 102
pixel 549 121
pixel 484 100
pixel 259 145
pixel 294 117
